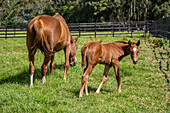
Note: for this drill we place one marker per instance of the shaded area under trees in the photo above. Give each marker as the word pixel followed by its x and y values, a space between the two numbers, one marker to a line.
pixel 75 11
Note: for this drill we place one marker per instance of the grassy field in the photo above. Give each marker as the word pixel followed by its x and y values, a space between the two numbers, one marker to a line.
pixel 144 87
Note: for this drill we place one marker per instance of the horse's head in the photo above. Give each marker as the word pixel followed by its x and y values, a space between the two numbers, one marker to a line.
pixel 134 51
pixel 72 58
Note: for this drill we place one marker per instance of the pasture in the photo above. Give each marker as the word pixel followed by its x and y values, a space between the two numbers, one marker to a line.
pixel 144 85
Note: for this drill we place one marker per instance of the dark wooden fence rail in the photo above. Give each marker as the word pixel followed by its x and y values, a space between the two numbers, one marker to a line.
pixel 89 29
pixel 109 28
pixel 161 28
pixel 12 31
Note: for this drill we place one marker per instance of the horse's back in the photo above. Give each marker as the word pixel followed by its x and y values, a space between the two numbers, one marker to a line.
pixel 55 32
pixel 110 52
pixel 92 51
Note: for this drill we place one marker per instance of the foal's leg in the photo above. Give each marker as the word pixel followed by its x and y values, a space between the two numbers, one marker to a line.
pixel 84 80
pixel 67 65
pixel 52 64
pixel 31 56
pixel 104 78
pixel 44 67
pixel 116 68
pixel 86 90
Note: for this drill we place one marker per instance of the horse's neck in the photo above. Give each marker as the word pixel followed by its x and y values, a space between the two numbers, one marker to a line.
pixel 125 48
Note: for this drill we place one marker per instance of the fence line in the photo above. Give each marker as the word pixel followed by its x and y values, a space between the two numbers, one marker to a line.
pixel 93 29
pixel 161 28
pixel 161 54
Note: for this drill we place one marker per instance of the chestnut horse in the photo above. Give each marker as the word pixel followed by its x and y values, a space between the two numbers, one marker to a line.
pixel 110 55
pixel 50 34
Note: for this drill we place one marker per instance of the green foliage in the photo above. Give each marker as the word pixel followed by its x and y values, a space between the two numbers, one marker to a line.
pixel 158 42
pixel 144 87
pixel 85 10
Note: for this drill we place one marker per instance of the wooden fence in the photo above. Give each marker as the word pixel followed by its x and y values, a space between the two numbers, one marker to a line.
pixel 88 29
pixel 12 31
pixel 161 28
pixel 109 28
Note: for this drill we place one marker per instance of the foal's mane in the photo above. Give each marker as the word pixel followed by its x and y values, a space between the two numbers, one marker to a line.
pixel 124 42
pixel 121 42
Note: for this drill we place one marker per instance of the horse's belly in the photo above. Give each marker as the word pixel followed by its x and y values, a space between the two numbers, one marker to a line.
pixel 104 61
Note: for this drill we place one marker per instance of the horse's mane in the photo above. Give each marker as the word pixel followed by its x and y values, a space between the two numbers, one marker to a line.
pixel 124 42
pixel 121 42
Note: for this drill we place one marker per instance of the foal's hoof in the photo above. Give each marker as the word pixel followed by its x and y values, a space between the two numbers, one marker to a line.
pixel 97 92
pixel 64 79
pixel 43 80
pixel 31 86
pixel 119 90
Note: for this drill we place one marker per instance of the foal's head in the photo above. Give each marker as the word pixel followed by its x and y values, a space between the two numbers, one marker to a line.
pixel 134 50
pixel 72 57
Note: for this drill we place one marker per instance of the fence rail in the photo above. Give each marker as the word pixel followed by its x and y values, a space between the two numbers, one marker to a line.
pixel 93 29
pixel 161 28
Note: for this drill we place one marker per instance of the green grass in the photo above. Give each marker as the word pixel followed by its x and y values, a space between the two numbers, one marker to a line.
pixel 144 87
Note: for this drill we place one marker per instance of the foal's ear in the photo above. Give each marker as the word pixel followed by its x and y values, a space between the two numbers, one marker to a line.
pixel 76 39
pixel 129 42
pixel 138 43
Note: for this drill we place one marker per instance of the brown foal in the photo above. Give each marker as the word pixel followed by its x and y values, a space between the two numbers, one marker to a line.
pixel 50 34
pixel 110 55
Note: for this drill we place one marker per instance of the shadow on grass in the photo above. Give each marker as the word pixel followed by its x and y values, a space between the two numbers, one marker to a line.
pixel 90 89
pixel 24 76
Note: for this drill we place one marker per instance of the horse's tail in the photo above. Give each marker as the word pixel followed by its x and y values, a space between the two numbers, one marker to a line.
pixel 83 55
pixel 40 40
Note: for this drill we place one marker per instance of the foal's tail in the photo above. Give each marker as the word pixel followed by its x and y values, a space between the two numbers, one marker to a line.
pixel 40 40
pixel 83 55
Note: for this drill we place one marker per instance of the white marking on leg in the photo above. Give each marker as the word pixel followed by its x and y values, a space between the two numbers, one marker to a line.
pixel 134 49
pixel 119 90
pixel 98 90
pixel 75 60
pixel 31 81
pixel 86 89
pixel 43 79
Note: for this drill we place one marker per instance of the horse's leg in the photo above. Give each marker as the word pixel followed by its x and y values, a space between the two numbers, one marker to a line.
pixel 31 56
pixel 66 66
pixel 52 64
pixel 83 73
pixel 116 68
pixel 44 67
pixel 104 78
pixel 84 80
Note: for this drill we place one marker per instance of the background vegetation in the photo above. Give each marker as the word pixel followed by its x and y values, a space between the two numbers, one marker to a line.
pixel 144 85
pixel 11 11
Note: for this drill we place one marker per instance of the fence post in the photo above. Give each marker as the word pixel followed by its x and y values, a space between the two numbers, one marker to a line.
pixel 79 29
pixel 128 24
pixel 6 32
pixel 131 28
pixel 112 29
pixel 168 63
pixel 14 30
pixel 95 29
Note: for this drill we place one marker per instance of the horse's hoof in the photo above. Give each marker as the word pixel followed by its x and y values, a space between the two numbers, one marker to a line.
pixel 97 92
pixel 43 80
pixel 64 79
pixel 31 86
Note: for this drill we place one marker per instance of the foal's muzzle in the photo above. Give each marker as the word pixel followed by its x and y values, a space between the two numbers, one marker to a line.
pixel 73 63
pixel 135 61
